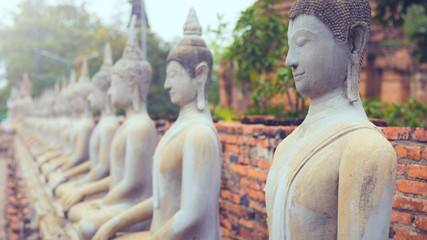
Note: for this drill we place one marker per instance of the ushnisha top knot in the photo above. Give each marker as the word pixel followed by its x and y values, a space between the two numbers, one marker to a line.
pixel 102 79
pixel 84 73
pixel 192 26
pixel 132 50
pixel 192 49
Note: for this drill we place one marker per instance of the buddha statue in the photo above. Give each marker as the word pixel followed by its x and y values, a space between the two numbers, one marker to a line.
pixel 61 127
pixel 187 161
pixel 73 191
pixel 333 177
pixel 132 146
pixel 79 135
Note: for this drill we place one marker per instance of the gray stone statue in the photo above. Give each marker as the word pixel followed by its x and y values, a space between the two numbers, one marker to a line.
pixel 187 161
pixel 334 176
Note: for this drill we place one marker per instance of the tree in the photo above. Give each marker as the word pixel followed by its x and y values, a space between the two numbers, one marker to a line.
pixel 68 30
pixel 260 44
pixel 412 15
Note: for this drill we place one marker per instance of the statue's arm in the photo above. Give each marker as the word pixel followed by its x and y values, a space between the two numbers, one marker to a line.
pixel 200 175
pixel 102 167
pixel 366 187
pixel 79 152
pixel 136 214
pixel 77 170
pixel 140 144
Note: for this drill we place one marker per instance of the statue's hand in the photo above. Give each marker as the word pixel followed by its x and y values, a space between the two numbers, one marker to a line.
pixel 106 231
pixel 67 201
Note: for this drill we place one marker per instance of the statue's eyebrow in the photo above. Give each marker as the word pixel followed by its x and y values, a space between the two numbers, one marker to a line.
pixel 304 31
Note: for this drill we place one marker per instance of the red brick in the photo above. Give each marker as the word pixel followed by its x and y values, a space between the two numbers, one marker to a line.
pixel 410 152
pixel 404 234
pixel 258 206
pixel 408 203
pixel 397 133
pixel 417 171
pixel 256 195
pixel 223 138
pixel 244 181
pixel 262 176
pixel 225 194
pixel 248 129
pixel 235 198
pixel 400 169
pixel 252 173
pixel 247 223
pixel 231 148
pixel 262 142
pixel 254 185
pixel 232 139
pixel 224 222
pixel 252 141
pixel 420 134
pixel 261 229
pixel 408 186
pixel 248 235
pixel 243 160
pixel 425 153
pixel 401 217
pixel 240 169
pixel 420 222
pixel 241 140
pixel 244 150
pixel 225 233
pixel 264 164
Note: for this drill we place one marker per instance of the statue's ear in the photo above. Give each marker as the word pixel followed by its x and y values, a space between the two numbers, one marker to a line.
pixel 358 37
pixel 357 42
pixel 202 71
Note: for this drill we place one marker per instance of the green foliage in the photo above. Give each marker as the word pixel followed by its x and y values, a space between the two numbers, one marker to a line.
pixel 159 103
pixel 65 29
pixel 260 44
pixel 216 39
pixel 410 113
pixel 226 114
pixel 415 27
pixel 411 14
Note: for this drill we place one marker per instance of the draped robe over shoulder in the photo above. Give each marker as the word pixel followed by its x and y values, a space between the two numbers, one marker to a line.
pixel 188 149
pixel 333 186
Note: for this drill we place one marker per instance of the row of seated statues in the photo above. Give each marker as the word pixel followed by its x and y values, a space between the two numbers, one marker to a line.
pixel 332 178
pixel 109 177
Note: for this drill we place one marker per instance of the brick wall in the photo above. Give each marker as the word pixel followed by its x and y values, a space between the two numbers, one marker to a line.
pixel 248 151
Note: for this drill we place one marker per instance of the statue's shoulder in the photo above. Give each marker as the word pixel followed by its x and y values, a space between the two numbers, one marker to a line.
pixel 369 145
pixel 140 123
pixel 202 128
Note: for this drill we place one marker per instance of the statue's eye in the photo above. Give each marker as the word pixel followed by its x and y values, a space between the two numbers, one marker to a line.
pixel 302 42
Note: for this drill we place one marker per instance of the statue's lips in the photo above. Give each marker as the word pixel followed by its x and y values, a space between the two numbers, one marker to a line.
pixel 298 75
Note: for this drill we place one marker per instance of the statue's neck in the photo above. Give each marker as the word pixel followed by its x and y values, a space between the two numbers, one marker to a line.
pixel 108 109
pixel 332 108
pixel 132 111
pixel 190 110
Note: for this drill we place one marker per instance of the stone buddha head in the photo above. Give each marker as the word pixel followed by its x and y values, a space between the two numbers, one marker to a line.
pixel 81 90
pixel 102 81
pixel 131 76
pixel 188 72
pixel 327 41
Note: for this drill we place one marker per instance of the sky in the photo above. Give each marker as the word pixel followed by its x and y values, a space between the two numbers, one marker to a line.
pixel 166 17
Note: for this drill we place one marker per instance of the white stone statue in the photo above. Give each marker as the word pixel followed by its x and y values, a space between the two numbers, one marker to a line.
pixel 187 161
pixel 99 145
pixel 79 135
pixel 132 148
pixel 334 176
